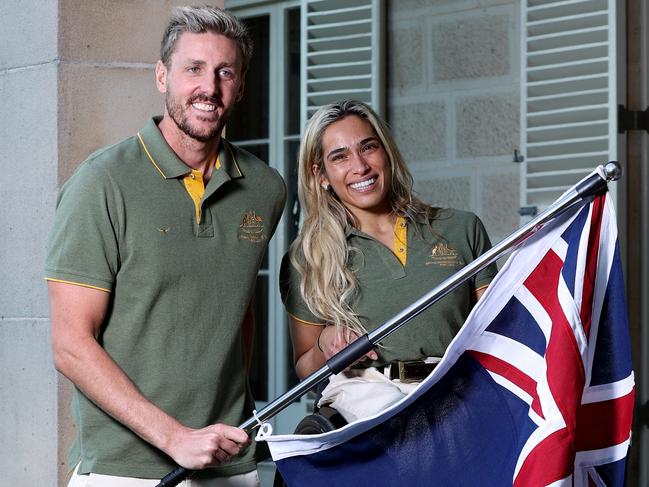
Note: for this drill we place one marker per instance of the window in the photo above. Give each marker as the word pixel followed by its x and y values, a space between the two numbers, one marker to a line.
pixel 266 122
pixel 300 60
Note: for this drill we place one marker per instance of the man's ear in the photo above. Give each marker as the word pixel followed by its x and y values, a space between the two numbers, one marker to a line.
pixel 161 76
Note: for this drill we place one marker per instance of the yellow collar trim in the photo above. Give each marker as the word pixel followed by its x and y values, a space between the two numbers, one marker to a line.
pixel 195 186
pixel 149 155
pixel 401 239
pixel 193 181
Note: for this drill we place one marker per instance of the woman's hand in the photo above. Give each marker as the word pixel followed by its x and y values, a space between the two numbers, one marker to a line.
pixel 314 344
pixel 330 342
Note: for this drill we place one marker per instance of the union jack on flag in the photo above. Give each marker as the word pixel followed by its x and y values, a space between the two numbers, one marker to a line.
pixel 537 388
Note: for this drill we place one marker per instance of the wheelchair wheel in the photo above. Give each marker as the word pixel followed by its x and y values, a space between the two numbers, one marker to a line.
pixel 334 418
pixel 325 419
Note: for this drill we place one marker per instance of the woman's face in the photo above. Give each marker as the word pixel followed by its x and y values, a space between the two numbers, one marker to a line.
pixel 356 166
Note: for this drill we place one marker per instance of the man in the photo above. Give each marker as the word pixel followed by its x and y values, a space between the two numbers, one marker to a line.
pixel 151 268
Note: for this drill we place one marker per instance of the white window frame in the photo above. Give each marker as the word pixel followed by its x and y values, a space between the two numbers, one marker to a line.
pixel 278 343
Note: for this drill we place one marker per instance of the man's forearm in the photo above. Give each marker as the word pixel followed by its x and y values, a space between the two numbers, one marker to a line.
pixel 100 379
pixel 77 316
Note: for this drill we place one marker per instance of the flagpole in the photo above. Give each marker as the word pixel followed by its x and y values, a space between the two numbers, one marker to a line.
pixel 581 192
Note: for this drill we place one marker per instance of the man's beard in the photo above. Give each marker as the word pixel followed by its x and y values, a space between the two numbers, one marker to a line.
pixel 178 113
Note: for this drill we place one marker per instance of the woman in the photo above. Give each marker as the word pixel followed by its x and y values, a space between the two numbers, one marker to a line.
pixel 367 249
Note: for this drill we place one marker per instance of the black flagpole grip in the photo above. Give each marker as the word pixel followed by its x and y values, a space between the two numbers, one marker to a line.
pixel 350 354
pixel 175 477
pixel 595 184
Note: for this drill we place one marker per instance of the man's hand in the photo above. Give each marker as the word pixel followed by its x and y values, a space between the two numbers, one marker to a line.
pixel 207 447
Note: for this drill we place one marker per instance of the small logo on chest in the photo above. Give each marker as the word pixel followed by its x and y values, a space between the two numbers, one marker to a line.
pixel 444 255
pixel 164 230
pixel 251 227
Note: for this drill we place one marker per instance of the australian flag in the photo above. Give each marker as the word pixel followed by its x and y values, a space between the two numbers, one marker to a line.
pixel 537 388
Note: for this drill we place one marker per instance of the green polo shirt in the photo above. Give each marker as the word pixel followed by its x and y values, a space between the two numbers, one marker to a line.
pixel 386 286
pixel 180 279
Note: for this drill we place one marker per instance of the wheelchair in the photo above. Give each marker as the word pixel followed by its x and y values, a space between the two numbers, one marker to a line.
pixel 322 420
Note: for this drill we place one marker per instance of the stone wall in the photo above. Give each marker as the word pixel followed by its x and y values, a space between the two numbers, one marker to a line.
pixel 453 103
pixel 75 75
pixel 28 144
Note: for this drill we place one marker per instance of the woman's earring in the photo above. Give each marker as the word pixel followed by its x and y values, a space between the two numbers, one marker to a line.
pixel 325 186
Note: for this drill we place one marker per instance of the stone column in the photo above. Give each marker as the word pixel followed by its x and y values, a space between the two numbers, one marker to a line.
pixel 75 75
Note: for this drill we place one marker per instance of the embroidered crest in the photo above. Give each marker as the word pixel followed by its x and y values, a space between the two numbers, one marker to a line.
pixel 444 255
pixel 251 227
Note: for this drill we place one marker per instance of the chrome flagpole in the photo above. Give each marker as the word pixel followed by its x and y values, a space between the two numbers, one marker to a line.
pixel 579 193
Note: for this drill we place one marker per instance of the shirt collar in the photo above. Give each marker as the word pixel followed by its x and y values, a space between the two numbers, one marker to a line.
pixel 170 166
pixel 350 230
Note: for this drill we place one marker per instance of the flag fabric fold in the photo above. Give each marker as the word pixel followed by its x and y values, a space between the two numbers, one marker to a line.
pixel 536 389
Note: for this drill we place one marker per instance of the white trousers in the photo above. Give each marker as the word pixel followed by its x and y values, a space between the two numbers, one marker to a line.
pixel 360 393
pixel 250 479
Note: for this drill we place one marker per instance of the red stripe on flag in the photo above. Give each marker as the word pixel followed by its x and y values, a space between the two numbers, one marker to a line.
pixel 512 374
pixel 550 461
pixel 553 458
pixel 606 423
pixel 590 272
pixel 565 370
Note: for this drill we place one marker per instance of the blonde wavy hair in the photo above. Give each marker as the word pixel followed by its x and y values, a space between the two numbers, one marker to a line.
pixel 320 253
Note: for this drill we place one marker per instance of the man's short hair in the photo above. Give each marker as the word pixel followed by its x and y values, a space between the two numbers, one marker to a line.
pixel 200 20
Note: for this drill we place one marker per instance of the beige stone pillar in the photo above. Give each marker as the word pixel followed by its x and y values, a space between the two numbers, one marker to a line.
pixel 75 75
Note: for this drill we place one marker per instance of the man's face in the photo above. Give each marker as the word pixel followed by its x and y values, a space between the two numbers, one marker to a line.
pixel 202 83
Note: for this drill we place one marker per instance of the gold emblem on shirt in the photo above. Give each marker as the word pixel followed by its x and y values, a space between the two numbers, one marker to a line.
pixel 251 227
pixel 444 255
